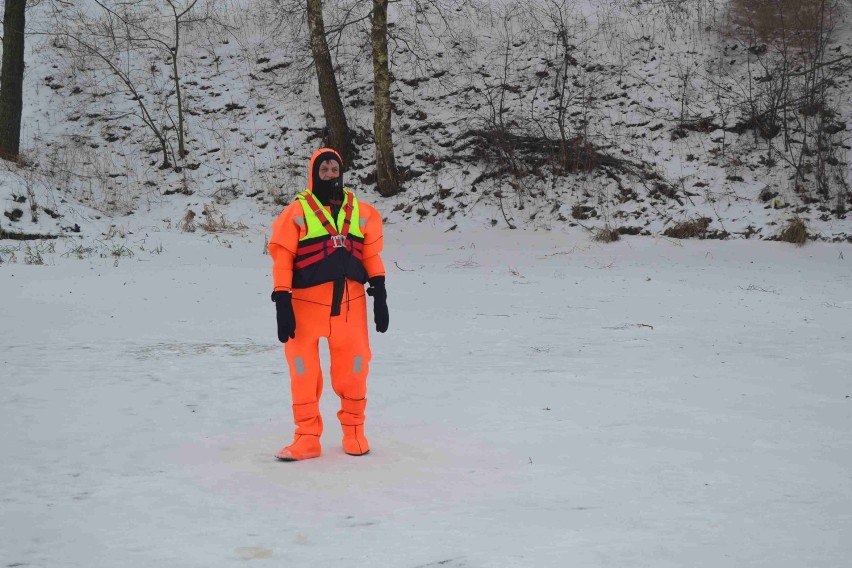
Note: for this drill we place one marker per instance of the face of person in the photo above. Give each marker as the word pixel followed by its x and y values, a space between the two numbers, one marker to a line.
pixel 329 169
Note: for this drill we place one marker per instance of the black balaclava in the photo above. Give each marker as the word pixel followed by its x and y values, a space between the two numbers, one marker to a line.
pixel 330 191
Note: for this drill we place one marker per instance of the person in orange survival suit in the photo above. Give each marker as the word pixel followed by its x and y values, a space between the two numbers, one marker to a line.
pixel 325 246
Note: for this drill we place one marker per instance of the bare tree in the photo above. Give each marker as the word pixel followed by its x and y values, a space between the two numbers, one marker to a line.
pixel 170 46
pixel 567 91
pixel 179 20
pixel 109 44
pixel 387 175
pixel 335 119
pixel 12 78
pixel 797 92
pixel 120 34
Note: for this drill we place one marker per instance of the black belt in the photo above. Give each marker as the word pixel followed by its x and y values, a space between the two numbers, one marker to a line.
pixel 337 296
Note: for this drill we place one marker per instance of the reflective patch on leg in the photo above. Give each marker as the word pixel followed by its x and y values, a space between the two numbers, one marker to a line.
pixel 299 363
pixel 358 364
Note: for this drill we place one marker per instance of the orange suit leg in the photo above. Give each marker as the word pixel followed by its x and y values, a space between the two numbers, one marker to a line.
pixel 349 346
pixel 302 352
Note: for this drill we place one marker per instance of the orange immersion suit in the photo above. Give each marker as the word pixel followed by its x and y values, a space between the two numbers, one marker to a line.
pixel 336 311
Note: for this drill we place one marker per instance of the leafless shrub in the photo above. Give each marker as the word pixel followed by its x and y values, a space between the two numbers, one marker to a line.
pixel 579 155
pixel 531 153
pixel 793 89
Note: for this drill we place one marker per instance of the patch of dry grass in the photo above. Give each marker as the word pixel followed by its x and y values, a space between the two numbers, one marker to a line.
pixel 187 224
pixel 795 232
pixel 606 235
pixel 689 229
pixel 210 220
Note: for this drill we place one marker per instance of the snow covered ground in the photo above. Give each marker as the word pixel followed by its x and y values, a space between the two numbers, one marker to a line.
pixel 539 401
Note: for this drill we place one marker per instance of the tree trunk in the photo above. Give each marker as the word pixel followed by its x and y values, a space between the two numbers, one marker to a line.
pixel 387 176
pixel 180 127
pixel 12 79
pixel 335 119
pixel 181 146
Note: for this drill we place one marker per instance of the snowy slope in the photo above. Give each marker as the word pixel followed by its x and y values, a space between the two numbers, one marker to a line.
pixel 254 119
pixel 539 401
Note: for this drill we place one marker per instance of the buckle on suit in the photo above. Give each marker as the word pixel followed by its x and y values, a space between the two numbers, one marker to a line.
pixel 338 241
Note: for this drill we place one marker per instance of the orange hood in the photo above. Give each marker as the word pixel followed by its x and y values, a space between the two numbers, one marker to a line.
pixel 316 155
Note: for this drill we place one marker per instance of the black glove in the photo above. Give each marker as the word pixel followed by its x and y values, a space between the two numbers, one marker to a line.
pixel 284 314
pixel 380 303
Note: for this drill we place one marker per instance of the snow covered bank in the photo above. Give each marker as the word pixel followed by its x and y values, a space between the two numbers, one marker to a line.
pixel 658 100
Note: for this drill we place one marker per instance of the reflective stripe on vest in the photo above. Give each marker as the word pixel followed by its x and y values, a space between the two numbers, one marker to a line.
pixel 321 226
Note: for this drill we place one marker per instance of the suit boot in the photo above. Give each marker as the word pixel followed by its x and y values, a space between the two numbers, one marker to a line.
pixel 306 442
pixel 351 416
